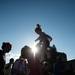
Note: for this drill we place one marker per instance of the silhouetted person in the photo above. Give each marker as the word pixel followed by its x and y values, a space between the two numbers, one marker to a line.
pixel 6 47
pixel 8 66
pixel 20 66
pixel 33 62
pixel 35 66
pixel 59 65
pixel 44 40
pixel 51 59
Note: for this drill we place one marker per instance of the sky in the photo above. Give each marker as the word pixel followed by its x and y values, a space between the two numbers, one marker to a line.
pixel 18 19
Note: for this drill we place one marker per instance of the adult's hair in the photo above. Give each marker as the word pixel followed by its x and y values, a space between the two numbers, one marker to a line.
pixel 6 46
pixel 25 51
pixel 11 60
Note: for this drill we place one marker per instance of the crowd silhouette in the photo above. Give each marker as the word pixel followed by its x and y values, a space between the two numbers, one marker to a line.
pixel 48 61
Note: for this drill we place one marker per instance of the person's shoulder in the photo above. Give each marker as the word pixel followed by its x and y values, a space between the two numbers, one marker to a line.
pixel 17 59
pixel 43 33
pixel 1 52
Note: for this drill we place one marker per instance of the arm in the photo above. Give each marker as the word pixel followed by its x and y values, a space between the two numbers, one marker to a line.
pixel 50 38
pixel 37 39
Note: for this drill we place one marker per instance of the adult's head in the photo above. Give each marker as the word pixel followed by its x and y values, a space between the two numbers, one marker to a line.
pixel 11 60
pixel 6 47
pixel 25 51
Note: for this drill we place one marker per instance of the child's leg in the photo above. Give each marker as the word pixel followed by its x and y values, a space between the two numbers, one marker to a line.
pixel 45 45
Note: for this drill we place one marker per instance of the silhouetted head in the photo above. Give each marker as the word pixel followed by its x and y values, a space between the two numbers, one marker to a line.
pixel 6 46
pixel 38 29
pixel 25 51
pixel 11 60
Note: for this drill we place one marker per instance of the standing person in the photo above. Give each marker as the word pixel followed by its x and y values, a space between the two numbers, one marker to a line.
pixel 34 65
pixel 6 47
pixel 8 66
pixel 20 66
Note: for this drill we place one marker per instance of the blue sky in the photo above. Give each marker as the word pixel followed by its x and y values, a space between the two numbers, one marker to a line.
pixel 18 19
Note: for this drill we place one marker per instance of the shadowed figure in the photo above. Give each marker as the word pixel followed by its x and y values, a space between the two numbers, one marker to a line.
pixel 8 66
pixel 26 64
pixel 34 64
pixel 6 47
pixel 20 66
pixel 44 40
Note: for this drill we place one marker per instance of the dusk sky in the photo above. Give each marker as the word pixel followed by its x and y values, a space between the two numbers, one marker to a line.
pixel 18 19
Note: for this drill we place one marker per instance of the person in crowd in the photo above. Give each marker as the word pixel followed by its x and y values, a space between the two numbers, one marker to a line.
pixel 6 48
pixel 20 66
pixel 8 66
